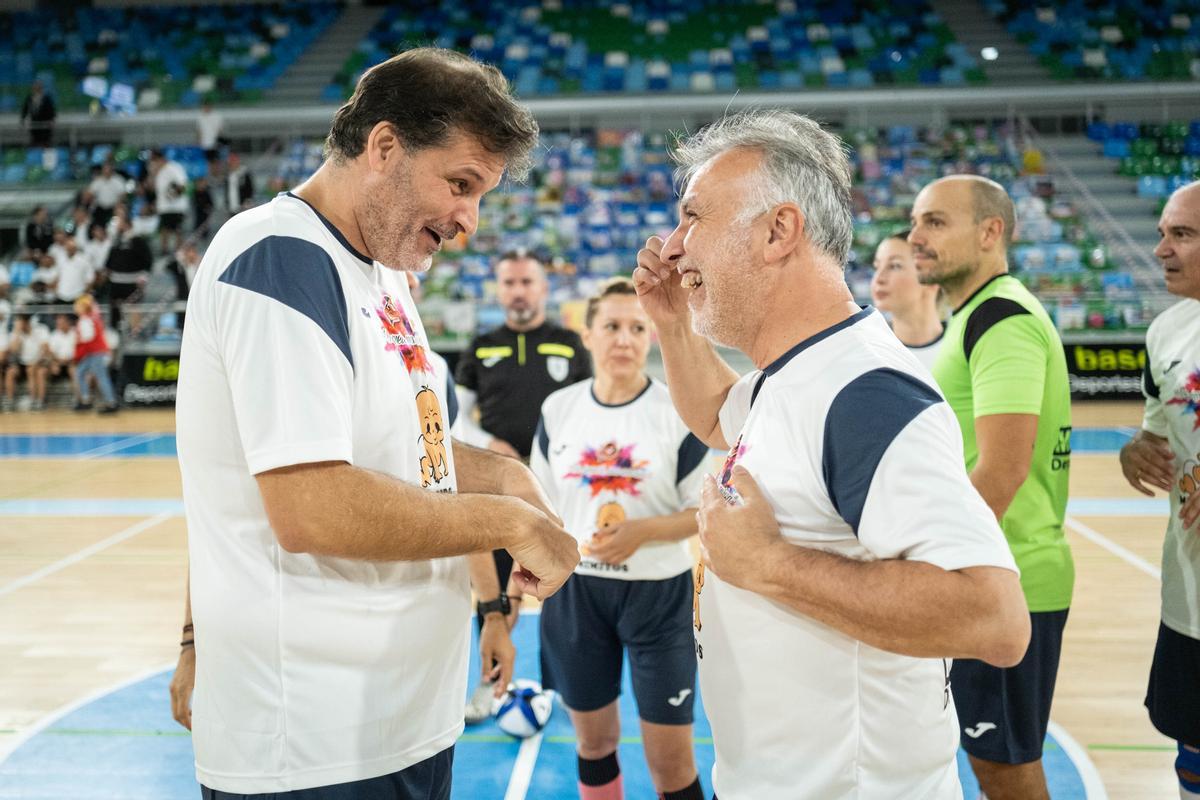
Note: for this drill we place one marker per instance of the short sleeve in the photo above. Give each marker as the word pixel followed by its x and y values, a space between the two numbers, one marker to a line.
pixel 466 372
pixel 283 337
pixel 690 467
pixel 539 460
pixel 1155 418
pixel 1005 346
pixel 736 407
pixel 921 505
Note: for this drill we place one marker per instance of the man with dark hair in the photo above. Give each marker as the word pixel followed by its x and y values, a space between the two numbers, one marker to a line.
pixel 328 512
pixel 39 112
pixel 1003 370
pixel 508 372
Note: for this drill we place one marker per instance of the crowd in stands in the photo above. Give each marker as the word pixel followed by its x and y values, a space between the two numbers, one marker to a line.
pixel 134 234
pixel 1162 156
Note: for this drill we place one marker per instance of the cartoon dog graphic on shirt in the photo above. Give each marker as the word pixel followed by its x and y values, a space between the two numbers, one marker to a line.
pixel 429 412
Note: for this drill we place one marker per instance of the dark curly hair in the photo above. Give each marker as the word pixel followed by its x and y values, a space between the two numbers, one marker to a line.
pixel 429 94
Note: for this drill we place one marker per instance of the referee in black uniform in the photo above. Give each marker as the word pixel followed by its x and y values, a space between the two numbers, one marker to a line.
pixel 507 373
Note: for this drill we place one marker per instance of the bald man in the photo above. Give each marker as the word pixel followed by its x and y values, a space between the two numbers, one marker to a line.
pixel 1003 371
pixel 1165 454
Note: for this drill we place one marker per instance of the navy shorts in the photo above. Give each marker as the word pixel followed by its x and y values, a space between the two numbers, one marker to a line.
pixel 425 780
pixel 1003 713
pixel 588 624
pixel 1173 697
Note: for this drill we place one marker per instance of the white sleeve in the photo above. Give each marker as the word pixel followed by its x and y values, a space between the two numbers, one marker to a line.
pixel 922 506
pixel 736 407
pixel 691 465
pixel 539 462
pixel 282 334
pixel 466 429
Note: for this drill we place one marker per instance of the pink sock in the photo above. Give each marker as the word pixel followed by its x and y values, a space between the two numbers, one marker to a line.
pixel 613 790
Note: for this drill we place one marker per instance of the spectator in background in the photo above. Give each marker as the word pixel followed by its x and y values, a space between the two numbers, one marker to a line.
pixel 39 231
pixel 108 188
pixel 146 221
pixel 75 273
pixel 91 356
pixel 62 352
pixel 57 248
pixel 208 131
pixel 44 281
pixel 29 356
pixel 77 225
pixel 127 268
pixel 239 185
pixel 97 247
pixel 202 206
pixel 5 304
pixel 170 183
pixel 38 114
pixel 183 267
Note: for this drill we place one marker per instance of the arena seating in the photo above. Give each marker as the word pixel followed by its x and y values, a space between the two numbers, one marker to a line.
pixel 171 55
pixel 38 165
pixel 1162 157
pixel 1123 40
pixel 567 48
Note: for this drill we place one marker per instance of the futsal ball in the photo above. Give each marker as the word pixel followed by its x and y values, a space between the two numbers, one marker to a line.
pixel 524 709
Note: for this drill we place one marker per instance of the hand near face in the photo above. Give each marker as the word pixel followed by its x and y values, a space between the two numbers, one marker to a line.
pixel 658 286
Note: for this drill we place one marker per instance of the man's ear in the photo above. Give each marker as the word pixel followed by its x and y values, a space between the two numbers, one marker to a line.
pixel 785 231
pixel 384 146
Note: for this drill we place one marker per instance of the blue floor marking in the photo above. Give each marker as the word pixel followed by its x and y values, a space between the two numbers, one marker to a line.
pixel 125 745
pixel 1083 440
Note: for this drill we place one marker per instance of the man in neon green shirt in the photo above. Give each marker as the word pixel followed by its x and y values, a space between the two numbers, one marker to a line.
pixel 1003 371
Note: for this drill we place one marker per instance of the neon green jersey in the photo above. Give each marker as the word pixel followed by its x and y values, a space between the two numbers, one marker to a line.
pixel 1001 355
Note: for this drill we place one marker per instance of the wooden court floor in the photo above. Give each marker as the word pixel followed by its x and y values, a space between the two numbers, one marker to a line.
pixel 88 602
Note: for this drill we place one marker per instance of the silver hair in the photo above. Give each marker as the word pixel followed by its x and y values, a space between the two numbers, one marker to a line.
pixel 801 164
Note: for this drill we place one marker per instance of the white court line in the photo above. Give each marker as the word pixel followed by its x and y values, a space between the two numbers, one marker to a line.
pixel 54 716
pixel 522 774
pixel 1093 786
pixel 75 558
pixel 120 444
pixel 1130 558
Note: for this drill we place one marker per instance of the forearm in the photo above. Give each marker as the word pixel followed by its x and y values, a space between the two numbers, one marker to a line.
pixel 349 512
pixel 997 487
pixel 670 527
pixel 698 379
pixel 908 607
pixel 483 575
pixel 480 471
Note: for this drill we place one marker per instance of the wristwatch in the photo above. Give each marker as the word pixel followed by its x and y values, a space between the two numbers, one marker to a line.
pixel 500 604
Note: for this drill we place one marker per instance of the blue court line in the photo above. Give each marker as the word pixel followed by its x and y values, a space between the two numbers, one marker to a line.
pixel 90 507
pixel 124 744
pixel 1118 507
pixel 132 445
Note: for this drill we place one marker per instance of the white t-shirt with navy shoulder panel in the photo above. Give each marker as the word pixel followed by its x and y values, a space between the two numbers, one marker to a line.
pixel 1171 383
pixel 311 670
pixel 859 455
pixel 602 464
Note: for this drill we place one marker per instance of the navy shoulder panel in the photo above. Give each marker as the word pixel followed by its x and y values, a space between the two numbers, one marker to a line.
pixel 985 315
pixel 691 452
pixel 863 420
pixel 299 274
pixel 542 438
pixel 451 399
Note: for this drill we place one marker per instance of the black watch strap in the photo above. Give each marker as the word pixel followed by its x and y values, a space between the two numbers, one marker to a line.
pixel 500 604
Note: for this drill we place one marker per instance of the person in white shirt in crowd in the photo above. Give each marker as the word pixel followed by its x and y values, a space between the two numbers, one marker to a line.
pixel 62 352
pixel 846 556
pixel 912 306
pixel 624 472
pixel 171 201
pixel 59 248
pixel 29 357
pixel 209 124
pixel 146 222
pixel 76 274
pixel 42 282
pixel 239 185
pixel 98 245
pixel 108 188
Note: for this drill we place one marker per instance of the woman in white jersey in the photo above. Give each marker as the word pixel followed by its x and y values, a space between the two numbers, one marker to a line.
pixel 912 306
pixel 624 473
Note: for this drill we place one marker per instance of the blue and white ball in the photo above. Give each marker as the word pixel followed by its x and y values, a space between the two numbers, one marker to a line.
pixel 524 709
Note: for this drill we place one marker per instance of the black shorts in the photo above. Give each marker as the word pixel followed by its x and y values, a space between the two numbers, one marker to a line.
pixel 1173 696
pixel 1003 713
pixel 426 780
pixel 170 221
pixel 588 624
